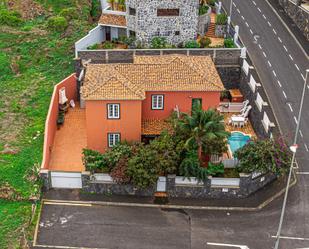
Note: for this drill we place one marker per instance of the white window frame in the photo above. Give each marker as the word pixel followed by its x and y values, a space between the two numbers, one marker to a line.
pixel 113 139
pixel 112 111
pixel 155 102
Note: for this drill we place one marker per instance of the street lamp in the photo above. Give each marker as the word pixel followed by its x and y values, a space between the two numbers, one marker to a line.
pixel 294 149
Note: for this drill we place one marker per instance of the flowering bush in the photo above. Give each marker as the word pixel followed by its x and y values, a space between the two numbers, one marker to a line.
pixel 264 156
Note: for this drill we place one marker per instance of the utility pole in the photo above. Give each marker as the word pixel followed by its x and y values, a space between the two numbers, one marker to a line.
pixel 292 162
pixel 231 9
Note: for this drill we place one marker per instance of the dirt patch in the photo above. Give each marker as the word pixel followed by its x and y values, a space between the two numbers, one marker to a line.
pixel 27 8
pixel 14 31
pixel 9 193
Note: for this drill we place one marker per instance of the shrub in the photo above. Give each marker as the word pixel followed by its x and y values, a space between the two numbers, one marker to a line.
pixel 69 13
pixel 95 8
pixel 119 172
pixel 10 18
pixel 142 168
pixel 264 156
pixel 221 19
pixel 190 167
pixel 203 9
pixel 57 23
pixel 205 42
pixel 108 45
pixel 229 43
pixel 94 161
pixel 118 151
pixel 215 169
pixel 211 2
pixel 94 46
pixel 158 42
pixel 192 44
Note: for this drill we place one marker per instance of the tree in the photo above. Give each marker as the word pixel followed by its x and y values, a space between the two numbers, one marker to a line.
pixel 201 127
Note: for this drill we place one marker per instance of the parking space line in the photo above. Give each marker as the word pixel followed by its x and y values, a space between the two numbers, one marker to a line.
pixel 295 119
pixel 292 238
pixel 279 39
pixel 228 245
pixel 283 92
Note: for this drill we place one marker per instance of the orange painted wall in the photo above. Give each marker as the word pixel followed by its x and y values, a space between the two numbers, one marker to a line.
pixel 182 99
pixel 98 126
pixel 51 120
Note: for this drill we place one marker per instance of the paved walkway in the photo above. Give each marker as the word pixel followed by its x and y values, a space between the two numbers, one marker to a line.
pixel 69 141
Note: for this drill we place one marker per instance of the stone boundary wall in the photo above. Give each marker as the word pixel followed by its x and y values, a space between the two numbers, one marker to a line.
pixel 247 186
pixel 298 14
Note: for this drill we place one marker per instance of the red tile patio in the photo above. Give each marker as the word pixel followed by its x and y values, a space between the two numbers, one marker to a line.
pixel 69 141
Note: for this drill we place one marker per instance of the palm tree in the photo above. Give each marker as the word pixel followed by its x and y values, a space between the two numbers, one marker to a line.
pixel 201 127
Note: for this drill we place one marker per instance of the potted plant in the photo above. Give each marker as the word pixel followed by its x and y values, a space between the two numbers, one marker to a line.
pixel 225 96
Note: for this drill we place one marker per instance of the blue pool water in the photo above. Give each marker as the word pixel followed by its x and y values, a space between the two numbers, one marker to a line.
pixel 237 140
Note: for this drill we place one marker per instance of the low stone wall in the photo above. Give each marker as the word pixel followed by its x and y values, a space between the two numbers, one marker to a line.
pixel 247 186
pixel 298 14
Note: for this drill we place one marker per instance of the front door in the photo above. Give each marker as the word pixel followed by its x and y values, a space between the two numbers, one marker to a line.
pixel 196 103
pixel 108 33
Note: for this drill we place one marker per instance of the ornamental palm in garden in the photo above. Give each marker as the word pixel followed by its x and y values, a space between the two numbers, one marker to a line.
pixel 201 127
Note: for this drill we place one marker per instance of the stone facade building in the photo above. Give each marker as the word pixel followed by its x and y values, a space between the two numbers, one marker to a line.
pixel 176 20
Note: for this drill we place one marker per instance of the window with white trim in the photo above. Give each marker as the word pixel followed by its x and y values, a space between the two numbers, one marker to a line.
pixel 157 102
pixel 113 111
pixel 113 139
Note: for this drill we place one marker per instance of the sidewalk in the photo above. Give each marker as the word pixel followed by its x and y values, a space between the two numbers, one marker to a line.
pixel 292 26
pixel 254 202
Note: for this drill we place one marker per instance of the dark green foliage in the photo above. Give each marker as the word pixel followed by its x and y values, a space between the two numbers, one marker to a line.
pixel 190 167
pixel 93 160
pixel 229 43
pixel 211 2
pixel 221 19
pixel 120 150
pixel 94 46
pixel 215 169
pixel 264 156
pixel 192 44
pixel 119 172
pixel 57 23
pixel 158 42
pixel 142 167
pixel 108 45
pixel 225 95
pixel 203 9
pixel 95 8
pixel 205 42
pixel 10 18
pixel 69 13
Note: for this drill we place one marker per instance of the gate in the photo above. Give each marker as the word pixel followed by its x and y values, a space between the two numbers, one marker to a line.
pixel 66 179
pixel 161 184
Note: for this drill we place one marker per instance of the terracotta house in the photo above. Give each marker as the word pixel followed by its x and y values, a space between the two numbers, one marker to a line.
pixel 132 101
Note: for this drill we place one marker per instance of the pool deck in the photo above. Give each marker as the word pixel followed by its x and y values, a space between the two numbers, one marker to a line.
pixel 247 129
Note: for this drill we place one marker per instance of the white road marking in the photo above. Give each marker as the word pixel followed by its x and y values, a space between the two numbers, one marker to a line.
pixel 274 31
pixel 238 11
pixel 279 83
pixel 295 119
pixel 259 10
pixel 269 24
pixel 260 46
pixel 291 57
pixel 301 134
pixel 228 245
pixel 247 24
pixel 234 4
pixel 302 173
pixel 285 48
pixel 242 17
pixel 251 31
pixel 290 107
pixel 274 73
pixel 254 3
pixel 264 16
pixel 66 247
pixel 302 76
pixel 284 94
pixel 264 54
pixel 296 67
pixel 279 39
pixel 293 238
pixel 308 86
pixel 269 63
pixel 67 204
pixel 306 147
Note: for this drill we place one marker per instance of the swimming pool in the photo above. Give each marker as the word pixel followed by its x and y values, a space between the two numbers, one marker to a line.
pixel 237 140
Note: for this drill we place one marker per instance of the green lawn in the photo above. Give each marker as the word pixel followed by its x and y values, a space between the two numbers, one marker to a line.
pixel 32 60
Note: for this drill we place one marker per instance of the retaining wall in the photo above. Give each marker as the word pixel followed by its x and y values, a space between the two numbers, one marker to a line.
pixel 183 189
pixel 298 14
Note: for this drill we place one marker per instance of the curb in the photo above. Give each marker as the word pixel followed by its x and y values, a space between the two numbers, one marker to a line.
pixel 127 204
